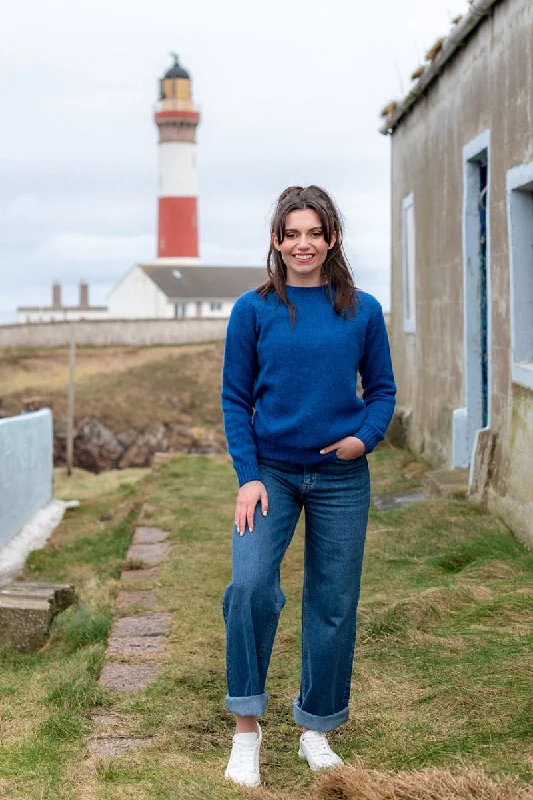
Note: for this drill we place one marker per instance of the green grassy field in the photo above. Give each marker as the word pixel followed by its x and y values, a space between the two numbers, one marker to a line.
pixel 124 387
pixel 442 678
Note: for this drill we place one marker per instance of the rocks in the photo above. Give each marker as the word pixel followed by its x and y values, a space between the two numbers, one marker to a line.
pixel 149 625
pixel 450 483
pixel 398 430
pixel 27 609
pixel 128 677
pixel 385 502
pixel 34 404
pixel 145 535
pixel 137 597
pixel 149 553
pixel 483 464
pixel 98 448
pixel 135 647
pixel 139 576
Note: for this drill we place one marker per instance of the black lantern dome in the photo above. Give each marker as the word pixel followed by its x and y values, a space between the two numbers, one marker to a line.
pixel 176 70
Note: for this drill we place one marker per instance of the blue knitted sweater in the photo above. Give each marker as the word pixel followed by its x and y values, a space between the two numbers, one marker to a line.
pixel 288 392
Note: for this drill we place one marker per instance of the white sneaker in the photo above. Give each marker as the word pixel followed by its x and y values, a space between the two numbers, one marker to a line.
pixel 243 764
pixel 315 748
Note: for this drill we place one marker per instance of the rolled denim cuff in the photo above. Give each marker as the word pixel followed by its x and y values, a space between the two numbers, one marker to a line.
pixel 314 723
pixel 254 706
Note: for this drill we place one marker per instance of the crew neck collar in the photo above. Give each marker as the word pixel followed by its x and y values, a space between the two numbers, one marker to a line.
pixel 306 288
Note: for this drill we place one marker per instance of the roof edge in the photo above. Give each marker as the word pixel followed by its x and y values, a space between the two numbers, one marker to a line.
pixel 479 10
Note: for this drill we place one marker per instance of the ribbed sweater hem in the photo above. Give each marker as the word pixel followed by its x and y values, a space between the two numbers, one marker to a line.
pixel 369 436
pixel 247 472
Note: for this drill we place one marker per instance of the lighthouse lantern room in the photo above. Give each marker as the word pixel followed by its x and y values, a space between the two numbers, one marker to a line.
pixel 177 120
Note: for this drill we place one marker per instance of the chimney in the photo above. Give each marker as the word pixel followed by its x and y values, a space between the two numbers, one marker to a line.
pixel 56 295
pixel 84 294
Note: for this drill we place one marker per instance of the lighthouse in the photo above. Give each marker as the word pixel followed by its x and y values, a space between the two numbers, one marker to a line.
pixel 177 120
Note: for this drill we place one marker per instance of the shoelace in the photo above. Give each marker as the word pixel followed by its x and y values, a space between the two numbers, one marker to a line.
pixel 242 750
pixel 318 745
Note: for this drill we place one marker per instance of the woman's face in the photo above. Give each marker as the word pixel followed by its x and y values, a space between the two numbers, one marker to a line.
pixel 303 248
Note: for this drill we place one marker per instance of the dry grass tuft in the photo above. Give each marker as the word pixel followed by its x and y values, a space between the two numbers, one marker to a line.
pixel 389 109
pixel 434 49
pixel 417 73
pixel 354 783
pixel 417 611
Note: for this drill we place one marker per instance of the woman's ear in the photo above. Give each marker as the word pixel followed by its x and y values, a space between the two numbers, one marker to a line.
pixel 275 241
pixel 333 240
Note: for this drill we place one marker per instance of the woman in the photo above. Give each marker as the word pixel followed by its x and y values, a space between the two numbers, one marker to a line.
pixel 298 435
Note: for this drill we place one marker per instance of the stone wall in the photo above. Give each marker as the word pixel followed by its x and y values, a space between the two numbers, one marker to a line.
pixel 26 472
pixel 135 332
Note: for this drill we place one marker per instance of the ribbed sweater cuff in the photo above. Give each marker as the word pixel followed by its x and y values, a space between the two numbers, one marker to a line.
pixel 247 472
pixel 369 436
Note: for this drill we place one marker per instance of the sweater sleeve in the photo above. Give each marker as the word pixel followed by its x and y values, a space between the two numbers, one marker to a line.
pixel 377 378
pixel 238 377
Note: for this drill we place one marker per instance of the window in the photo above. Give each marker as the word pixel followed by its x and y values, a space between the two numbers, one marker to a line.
pixel 409 264
pixel 520 216
pixel 216 306
pixel 180 310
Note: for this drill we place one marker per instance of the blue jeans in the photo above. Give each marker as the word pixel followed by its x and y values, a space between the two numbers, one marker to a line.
pixel 336 498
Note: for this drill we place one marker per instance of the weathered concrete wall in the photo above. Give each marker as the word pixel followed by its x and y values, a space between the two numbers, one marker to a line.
pixel 26 471
pixel 488 85
pixel 138 332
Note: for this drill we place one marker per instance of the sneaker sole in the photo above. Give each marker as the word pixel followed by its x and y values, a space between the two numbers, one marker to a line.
pixel 315 769
pixel 243 783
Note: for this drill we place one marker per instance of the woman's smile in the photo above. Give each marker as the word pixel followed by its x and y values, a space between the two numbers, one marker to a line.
pixel 303 258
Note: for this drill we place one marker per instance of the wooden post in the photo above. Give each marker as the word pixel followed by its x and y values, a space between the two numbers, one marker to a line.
pixel 70 405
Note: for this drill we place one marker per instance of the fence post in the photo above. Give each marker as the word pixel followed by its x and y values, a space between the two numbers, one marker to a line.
pixel 70 406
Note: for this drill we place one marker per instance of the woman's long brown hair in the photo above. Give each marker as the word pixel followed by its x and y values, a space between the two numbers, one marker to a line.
pixel 335 267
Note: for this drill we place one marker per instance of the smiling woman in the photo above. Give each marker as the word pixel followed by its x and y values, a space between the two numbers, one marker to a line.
pixel 298 434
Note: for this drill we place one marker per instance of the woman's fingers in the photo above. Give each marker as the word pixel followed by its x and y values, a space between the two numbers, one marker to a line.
pixel 250 494
pixel 329 448
pixel 250 516
pixel 245 509
pixel 264 501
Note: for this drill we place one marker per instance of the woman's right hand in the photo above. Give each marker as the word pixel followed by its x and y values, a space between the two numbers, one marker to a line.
pixel 250 494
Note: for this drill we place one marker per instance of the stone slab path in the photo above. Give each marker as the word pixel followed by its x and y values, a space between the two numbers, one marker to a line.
pixel 137 638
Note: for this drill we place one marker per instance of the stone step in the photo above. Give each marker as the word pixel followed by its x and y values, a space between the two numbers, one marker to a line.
pixel 26 610
pixel 59 595
pixel 451 483
pixel 24 622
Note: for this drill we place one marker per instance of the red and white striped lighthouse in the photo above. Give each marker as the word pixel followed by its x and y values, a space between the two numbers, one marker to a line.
pixel 177 120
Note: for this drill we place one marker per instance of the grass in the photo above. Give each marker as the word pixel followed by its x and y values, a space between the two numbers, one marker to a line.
pixel 46 697
pixel 441 700
pixel 126 388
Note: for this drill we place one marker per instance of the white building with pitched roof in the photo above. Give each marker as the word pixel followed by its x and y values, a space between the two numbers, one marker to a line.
pixel 157 291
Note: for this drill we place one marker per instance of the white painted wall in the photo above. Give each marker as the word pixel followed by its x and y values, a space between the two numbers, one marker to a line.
pixel 136 296
pixel 26 469
pixel 63 315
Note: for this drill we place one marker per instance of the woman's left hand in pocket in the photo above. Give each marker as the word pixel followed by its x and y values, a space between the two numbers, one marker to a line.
pixel 348 449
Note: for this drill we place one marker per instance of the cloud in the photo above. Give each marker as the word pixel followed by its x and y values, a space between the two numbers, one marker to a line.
pixel 80 247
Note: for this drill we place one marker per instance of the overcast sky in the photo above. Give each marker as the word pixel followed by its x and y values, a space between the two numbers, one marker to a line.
pixel 289 91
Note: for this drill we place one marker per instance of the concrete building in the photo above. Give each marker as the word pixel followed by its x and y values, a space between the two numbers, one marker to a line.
pixel 462 255
pixel 152 290
pixel 57 312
